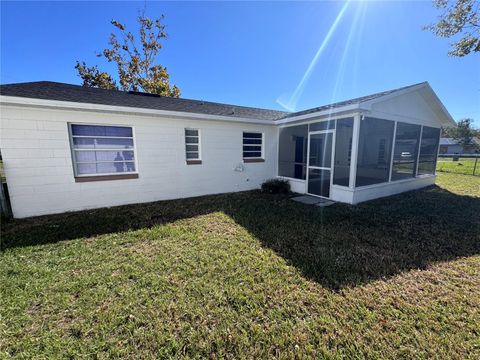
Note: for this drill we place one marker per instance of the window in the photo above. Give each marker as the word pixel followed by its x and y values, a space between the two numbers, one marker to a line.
pixel 292 151
pixel 374 151
pixel 428 151
pixel 343 151
pixel 192 146
pixel 405 151
pixel 102 150
pixel 252 146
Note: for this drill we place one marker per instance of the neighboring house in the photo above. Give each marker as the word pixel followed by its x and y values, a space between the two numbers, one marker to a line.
pixel 67 147
pixel 452 146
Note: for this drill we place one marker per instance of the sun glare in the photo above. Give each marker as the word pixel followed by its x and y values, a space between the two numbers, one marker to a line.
pixel 290 101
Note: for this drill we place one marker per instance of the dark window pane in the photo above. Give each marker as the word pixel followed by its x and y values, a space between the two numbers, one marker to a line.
pixel 323 125
pixel 192 147
pixel 252 148
pixel 321 150
pixel 292 151
pixel 428 150
pixel 102 143
pixel 252 135
pixel 343 151
pixel 118 131
pixel 191 140
pixel 192 155
pixel 83 169
pixel 93 156
pixel 189 132
pixel 252 141
pixel 105 168
pixel 252 154
pixel 319 182
pixel 405 151
pixel 96 130
pixel 374 151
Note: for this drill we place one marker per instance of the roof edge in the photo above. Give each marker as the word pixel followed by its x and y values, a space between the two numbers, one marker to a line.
pixel 140 93
pixel 70 105
pixel 447 120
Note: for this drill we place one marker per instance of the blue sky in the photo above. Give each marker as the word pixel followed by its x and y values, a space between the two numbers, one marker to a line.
pixel 252 53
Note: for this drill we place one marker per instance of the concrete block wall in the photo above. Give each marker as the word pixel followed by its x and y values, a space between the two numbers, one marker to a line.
pixel 38 165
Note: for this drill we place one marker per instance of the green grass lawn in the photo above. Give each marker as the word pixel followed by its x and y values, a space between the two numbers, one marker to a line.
pixel 248 275
pixel 462 166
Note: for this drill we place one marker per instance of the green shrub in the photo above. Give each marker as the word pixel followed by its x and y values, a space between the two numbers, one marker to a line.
pixel 276 186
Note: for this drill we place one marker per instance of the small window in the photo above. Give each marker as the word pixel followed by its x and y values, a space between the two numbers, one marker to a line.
pixel 192 146
pixel 252 146
pixel 102 150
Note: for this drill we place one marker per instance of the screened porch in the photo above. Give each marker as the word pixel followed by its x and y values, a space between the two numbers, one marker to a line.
pixel 356 158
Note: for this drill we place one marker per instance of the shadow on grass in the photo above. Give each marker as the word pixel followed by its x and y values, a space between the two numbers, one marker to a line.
pixel 337 246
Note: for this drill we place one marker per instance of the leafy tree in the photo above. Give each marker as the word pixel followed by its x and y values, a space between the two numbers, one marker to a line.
pixel 135 63
pixel 464 132
pixel 459 18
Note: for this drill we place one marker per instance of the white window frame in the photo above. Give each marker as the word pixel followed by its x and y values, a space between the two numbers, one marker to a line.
pixel 261 157
pixel 73 150
pixel 199 136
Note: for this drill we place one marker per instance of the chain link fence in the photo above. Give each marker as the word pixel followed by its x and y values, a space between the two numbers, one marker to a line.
pixel 468 164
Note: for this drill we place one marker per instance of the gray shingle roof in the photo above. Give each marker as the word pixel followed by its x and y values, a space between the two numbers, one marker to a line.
pixel 452 141
pixel 448 141
pixel 49 90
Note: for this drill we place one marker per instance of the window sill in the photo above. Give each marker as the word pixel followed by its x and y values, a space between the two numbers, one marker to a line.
pixel 105 177
pixel 194 162
pixel 253 160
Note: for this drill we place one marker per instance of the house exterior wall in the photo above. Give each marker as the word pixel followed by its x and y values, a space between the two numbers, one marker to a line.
pixel 40 177
pixel 456 149
pixel 452 149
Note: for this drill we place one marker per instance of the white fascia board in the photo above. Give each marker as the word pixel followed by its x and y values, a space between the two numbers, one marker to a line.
pixel 328 112
pixel 69 105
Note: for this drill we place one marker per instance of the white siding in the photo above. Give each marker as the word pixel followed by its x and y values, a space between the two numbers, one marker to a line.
pixel 410 108
pixel 38 165
pixel 392 188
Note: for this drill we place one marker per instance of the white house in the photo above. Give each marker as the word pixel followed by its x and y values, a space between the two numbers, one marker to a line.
pixel 451 146
pixel 67 147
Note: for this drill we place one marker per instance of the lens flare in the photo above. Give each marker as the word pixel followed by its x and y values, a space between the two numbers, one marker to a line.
pixel 291 102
